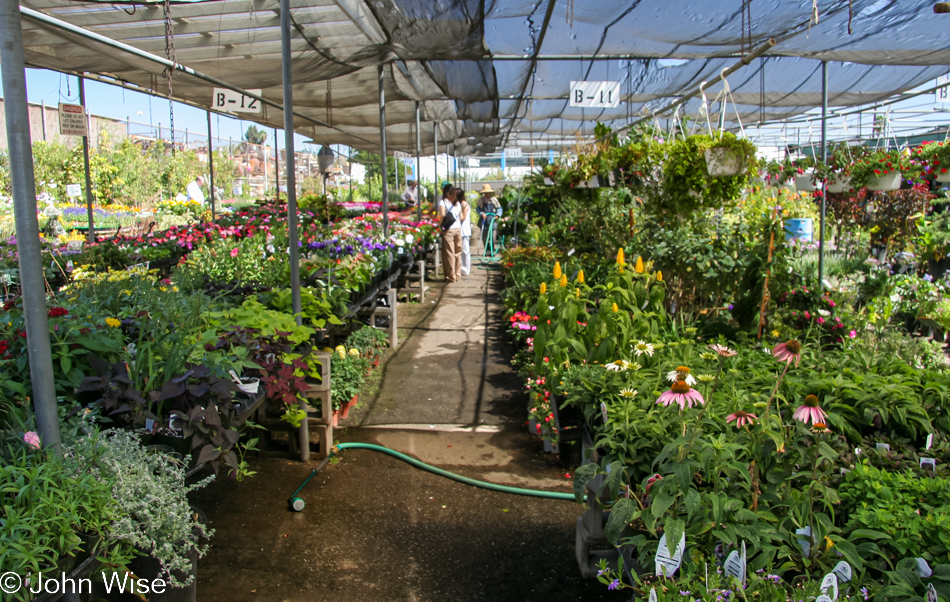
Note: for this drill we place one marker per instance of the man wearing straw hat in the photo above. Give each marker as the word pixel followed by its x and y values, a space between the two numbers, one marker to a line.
pixel 487 204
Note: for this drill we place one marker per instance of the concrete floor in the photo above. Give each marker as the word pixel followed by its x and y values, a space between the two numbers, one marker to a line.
pixel 376 528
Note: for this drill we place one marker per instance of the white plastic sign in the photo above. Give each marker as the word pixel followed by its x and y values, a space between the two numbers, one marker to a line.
pixel 804 543
pixel 513 152
pixel 595 94
pixel 930 440
pixel 72 120
pixel 603 411
pixel 942 94
pixel 931 461
pixel 823 598
pixel 931 593
pixel 654 599
pixel 923 569
pixel 73 190
pixel 667 565
pixel 235 102
pixel 843 571
pixel 884 446
pixel 829 586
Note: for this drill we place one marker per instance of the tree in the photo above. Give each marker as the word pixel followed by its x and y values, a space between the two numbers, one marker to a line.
pixel 254 135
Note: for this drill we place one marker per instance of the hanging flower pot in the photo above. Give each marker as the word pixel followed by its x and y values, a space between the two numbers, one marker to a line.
pixel 805 182
pixel 943 177
pixel 594 182
pixel 721 162
pixel 839 183
pixel 891 181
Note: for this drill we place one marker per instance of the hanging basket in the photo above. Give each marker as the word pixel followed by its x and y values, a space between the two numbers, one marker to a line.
pixel 839 184
pixel 591 183
pixel 805 183
pixel 721 162
pixel 943 177
pixel 891 181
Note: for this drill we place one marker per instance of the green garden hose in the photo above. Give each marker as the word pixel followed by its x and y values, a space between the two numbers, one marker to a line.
pixel 297 503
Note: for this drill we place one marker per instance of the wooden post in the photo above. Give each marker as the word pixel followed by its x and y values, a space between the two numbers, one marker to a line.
pixel 631 222
pixel 942 7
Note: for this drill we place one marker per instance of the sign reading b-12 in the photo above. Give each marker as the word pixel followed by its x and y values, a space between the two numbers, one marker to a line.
pixel 595 94
pixel 235 102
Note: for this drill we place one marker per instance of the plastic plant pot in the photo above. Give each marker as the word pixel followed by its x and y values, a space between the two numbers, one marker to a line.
pixel 891 181
pixel 249 385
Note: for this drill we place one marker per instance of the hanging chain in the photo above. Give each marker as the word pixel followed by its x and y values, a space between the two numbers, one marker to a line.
pixel 745 43
pixel 850 14
pixel 329 103
pixel 570 13
pixel 169 71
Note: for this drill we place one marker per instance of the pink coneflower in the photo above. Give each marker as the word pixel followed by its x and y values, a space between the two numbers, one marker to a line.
pixel 682 394
pixel 723 350
pixel 786 352
pixel 742 418
pixel 809 412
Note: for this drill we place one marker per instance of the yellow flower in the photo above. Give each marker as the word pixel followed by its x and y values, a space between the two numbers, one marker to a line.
pixel 639 265
pixel 354 352
pixel 659 276
pixel 557 270
pixel 577 293
pixel 563 281
pixel 544 288
pixel 620 260
pixel 112 322
pixel 580 277
pixel 614 308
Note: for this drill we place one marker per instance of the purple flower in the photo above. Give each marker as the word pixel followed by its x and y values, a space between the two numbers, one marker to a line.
pixel 614 584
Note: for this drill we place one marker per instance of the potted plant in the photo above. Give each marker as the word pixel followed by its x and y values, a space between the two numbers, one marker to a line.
pixel 936 156
pixel 349 373
pixel 688 182
pixel 883 169
pixel 369 342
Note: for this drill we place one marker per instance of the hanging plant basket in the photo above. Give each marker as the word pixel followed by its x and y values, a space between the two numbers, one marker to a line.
pixel 721 162
pixel 891 181
pixel 591 183
pixel 839 184
pixel 943 177
pixel 805 183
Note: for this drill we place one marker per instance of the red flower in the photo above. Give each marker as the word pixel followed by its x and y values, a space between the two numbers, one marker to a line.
pixel 57 312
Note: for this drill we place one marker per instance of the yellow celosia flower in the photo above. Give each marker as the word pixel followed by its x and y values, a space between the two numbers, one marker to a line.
pixel 355 352
pixel 563 280
pixel 577 293
pixel 620 260
pixel 113 323
pixel 639 265
pixel 580 277
pixel 659 276
pixel 614 308
pixel 557 270
pixel 544 287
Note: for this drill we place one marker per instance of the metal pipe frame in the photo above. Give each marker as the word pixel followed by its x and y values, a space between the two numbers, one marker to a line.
pixel 382 154
pixel 824 188
pixel 90 219
pixel 27 226
pixel 211 168
pixel 418 173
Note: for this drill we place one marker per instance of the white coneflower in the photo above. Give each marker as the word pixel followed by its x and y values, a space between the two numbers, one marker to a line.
pixel 681 371
pixel 628 393
pixel 618 366
pixel 705 378
pixel 642 347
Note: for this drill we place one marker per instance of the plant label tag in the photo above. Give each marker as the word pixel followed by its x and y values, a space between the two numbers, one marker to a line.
pixel 149 424
pixel 745 563
pixel 823 598
pixel 733 565
pixel 845 470
pixel 931 593
pixel 653 594
pixel 667 565
pixel 930 440
pixel 843 571
pixel 830 582
pixel 804 543
pixel 923 569
pixel 571 252
pixel 857 451
pixel 603 411
pixel 932 462
pixel 885 446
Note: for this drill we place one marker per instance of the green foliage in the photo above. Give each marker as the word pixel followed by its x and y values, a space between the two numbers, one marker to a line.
pixel 688 187
pixel 347 375
pixel 252 314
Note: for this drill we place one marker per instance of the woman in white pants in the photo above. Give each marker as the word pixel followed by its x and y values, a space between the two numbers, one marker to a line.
pixel 466 264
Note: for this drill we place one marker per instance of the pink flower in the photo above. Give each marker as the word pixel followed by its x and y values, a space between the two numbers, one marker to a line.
pixel 821 320
pixel 853 334
pixel 742 418
pixel 786 352
pixel 723 350
pixel 682 394
pixel 234 252
pixel 809 412
pixel 32 439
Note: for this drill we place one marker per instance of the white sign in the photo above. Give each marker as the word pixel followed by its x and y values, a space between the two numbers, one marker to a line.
pixel 595 94
pixel 401 155
pixel 653 597
pixel 513 152
pixel 603 411
pixel 931 593
pixel 73 190
pixel 830 582
pixel 235 102
pixel 72 120
pixel 942 94
pixel 931 461
pixel 843 571
pixel 473 162
pixel 923 569
pixel 735 564
pixel 930 440
pixel 885 446
pixel 667 565
pixel 804 543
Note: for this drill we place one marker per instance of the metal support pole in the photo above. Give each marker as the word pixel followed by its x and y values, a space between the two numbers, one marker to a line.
pixel 27 225
pixel 382 153
pixel 435 161
pixel 43 119
pixel 277 164
pixel 91 232
pixel 349 170
pixel 304 432
pixel 211 167
pixel 418 165
pixel 824 188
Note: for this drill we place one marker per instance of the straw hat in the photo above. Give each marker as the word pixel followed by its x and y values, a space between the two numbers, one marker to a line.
pixel 486 189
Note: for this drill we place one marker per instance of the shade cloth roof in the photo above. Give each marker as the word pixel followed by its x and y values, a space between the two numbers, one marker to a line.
pixel 470 63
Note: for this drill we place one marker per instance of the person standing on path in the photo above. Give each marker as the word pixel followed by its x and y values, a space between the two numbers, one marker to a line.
pixel 488 209
pixel 452 237
pixel 193 191
pixel 466 260
pixel 410 196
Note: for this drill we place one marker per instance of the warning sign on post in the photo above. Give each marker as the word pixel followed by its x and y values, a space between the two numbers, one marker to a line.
pixel 72 120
